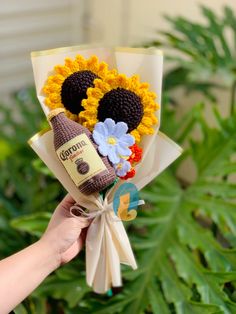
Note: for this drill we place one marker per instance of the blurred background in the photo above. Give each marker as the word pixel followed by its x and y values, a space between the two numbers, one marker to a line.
pixel 28 25
pixel 185 238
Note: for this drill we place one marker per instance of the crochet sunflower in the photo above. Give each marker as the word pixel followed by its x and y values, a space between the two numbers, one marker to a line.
pixel 121 99
pixel 67 87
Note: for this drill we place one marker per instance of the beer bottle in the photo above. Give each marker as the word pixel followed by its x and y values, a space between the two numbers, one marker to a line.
pixel 78 153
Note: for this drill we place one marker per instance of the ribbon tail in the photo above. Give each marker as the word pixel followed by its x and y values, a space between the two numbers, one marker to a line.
pixel 102 278
pixel 113 257
pixel 94 247
pixel 107 245
pixel 121 241
pixel 108 272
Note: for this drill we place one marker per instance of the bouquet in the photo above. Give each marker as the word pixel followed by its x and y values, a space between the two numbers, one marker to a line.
pixel 106 104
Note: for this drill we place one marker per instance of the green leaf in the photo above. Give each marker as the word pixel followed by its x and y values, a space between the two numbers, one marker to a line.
pixel 156 299
pixel 35 224
pixel 184 263
pixel 72 290
pixel 20 309
pixel 5 149
pixel 202 52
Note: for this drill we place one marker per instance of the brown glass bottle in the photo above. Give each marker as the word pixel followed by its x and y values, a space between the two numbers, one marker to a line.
pixel 78 153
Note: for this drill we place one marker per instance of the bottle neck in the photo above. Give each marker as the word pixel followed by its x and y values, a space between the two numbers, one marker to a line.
pixel 65 129
pixel 58 121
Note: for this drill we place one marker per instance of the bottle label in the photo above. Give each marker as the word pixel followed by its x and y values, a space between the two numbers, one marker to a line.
pixel 80 159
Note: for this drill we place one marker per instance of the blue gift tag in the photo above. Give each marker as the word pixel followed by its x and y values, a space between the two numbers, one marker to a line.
pixel 126 201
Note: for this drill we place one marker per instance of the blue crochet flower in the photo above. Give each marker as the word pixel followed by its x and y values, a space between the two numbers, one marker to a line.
pixel 122 167
pixel 112 140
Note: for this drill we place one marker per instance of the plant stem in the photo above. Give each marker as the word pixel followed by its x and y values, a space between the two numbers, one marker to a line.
pixel 232 97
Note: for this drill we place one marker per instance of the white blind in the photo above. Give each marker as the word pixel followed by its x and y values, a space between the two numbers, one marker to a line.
pixel 29 25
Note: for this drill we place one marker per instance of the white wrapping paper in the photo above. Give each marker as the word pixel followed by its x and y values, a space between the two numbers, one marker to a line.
pixel 107 244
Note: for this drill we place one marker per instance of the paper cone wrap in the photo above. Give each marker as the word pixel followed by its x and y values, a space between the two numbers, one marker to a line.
pixel 107 244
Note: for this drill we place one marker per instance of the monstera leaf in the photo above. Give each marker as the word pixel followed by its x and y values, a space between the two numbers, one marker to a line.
pixel 185 237
pixel 205 59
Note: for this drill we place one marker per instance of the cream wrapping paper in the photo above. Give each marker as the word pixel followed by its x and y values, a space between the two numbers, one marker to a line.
pixel 107 244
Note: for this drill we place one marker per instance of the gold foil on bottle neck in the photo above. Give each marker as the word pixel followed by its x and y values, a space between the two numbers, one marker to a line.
pixel 54 113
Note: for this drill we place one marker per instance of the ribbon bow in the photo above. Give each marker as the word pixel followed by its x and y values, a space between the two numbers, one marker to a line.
pixel 122 213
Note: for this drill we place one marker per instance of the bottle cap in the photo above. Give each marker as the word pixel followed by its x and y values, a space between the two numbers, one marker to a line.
pixel 54 113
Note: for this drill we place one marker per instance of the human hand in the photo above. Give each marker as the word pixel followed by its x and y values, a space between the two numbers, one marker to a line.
pixel 65 233
pixel 61 242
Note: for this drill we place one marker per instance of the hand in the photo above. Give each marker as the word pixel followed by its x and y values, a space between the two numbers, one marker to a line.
pixel 61 242
pixel 65 234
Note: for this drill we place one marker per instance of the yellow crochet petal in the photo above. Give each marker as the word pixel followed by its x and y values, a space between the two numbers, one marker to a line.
pixel 72 116
pixel 92 64
pixel 121 81
pixel 91 112
pixel 90 124
pixel 72 65
pixel 55 97
pixel 102 70
pixel 102 66
pixel 102 85
pixel 144 85
pixel 52 88
pixel 90 102
pixel 134 83
pixel 54 106
pixel 63 70
pixel 136 135
pixel 143 129
pixel 147 121
pixel 147 102
pixel 94 92
pixel 112 81
pixel 48 103
pixel 152 95
pixel 87 115
pixel 57 79
pixel 154 119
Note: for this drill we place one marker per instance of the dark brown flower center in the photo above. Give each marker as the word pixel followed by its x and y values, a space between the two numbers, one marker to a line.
pixel 121 105
pixel 74 90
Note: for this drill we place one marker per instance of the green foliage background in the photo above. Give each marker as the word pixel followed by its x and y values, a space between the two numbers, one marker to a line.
pixel 185 237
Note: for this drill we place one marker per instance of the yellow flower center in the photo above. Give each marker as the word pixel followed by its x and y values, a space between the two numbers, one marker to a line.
pixel 111 140
pixel 119 166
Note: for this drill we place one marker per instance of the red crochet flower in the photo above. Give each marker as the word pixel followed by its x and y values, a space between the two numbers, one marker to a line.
pixel 129 174
pixel 136 155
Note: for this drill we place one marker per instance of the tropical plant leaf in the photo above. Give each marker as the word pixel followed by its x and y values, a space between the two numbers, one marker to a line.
pixel 20 309
pixel 207 60
pixel 65 284
pixel 184 239
pixel 184 266
pixel 35 223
